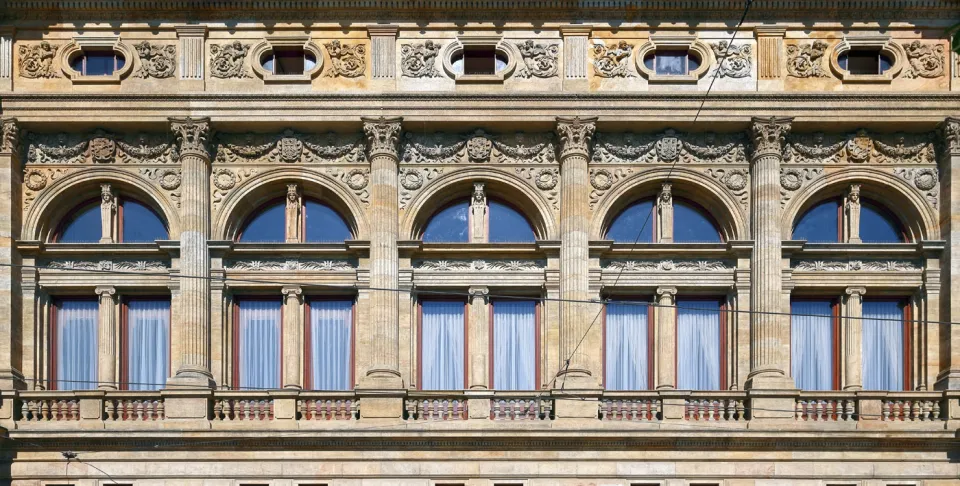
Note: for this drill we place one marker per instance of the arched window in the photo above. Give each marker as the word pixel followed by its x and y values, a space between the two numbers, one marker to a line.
pixel 83 226
pixel 450 225
pixel 636 219
pixel 820 224
pixel 266 226
pixel 849 219
pixel 481 222
pixel 140 224
pixel 114 220
pixel 690 223
pixel 309 221
pixel 322 224
pixel 877 225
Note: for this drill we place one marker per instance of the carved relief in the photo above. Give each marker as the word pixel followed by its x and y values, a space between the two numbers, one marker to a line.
pixel 289 147
pixel 273 264
pixel 224 180
pixel 9 136
pixel 613 61
pixel 926 60
pixel 110 265
pixel 414 179
pixel 862 147
pixel 539 60
pixel 667 265
pixel 36 180
pixel 479 147
pixel 168 178
pixel 546 180
pixel 735 180
pixel 806 60
pixel 668 147
pixel 769 135
pixel 156 61
pixel 382 136
pixel 733 61
pixel 356 180
pixel 36 60
pixel 192 135
pixel 100 147
pixel 792 179
pixel 227 60
pixel 856 266
pixel 480 265
pixel 925 179
pixel 604 179
pixel 346 60
pixel 420 60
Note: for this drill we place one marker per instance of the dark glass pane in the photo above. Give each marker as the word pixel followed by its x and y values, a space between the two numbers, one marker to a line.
pixel 268 226
pixel 508 225
pixel 842 61
pixel 479 60
pixel 671 63
pixel 629 222
pixel 289 61
pixel 693 62
pixel 877 226
pixel 819 224
pixel 323 224
pixel 501 62
pixel 648 61
pixel 77 63
pixel 449 225
pixel 309 61
pixel 811 344
pixel 267 63
pixel 885 63
pixel 863 62
pixel 83 226
pixel 141 224
pixel 457 63
pixel 120 61
pixel 99 63
pixel 690 225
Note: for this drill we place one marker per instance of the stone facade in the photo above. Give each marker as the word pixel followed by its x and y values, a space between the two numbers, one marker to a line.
pixel 572 129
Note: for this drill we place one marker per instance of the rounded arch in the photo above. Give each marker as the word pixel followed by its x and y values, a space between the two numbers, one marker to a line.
pixel 501 186
pixel 60 197
pixel 917 218
pixel 725 210
pixel 267 186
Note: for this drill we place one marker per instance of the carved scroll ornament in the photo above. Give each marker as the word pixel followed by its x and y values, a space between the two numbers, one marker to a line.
pixel 806 60
pixel 926 60
pixel 227 60
pixel 539 60
pixel 478 147
pixel 420 60
pixel 346 60
pixel 733 61
pixel 156 61
pixel 36 60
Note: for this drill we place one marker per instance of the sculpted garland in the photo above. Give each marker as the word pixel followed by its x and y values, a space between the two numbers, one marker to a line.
pixel 289 147
pixel 668 147
pixel 861 147
pixel 100 147
pixel 479 147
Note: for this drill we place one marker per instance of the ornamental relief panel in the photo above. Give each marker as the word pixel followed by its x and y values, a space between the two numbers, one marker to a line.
pixel 926 180
pixel 355 179
pixel 735 181
pixel 480 265
pixel 602 180
pixel 669 147
pixel 168 179
pixel 224 180
pixel 860 147
pixel 36 179
pixel 478 147
pixel 290 265
pixel 668 265
pixel 100 147
pixel 289 147
pixel 855 265
pixel 544 179
pixel 792 179
pixel 109 265
pixel 413 180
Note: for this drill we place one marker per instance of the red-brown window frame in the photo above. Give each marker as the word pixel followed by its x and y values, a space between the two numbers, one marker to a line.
pixel 53 336
pixel 651 324
pixel 538 381
pixel 723 311
pixel 308 335
pixel 125 333
pixel 466 339
pixel 235 361
pixel 92 202
pixel 834 333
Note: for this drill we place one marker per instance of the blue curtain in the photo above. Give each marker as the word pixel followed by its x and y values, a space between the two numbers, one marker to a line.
pixel 698 345
pixel 441 345
pixel 811 344
pixel 259 334
pixel 77 329
pixel 882 345
pixel 331 332
pixel 148 344
pixel 627 347
pixel 514 345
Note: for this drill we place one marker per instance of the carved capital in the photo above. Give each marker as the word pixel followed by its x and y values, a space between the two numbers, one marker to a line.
pixel 105 292
pixel 192 135
pixel 768 135
pixel 481 293
pixel 665 295
pixel 291 292
pixel 9 136
pixel 575 135
pixel 949 131
pixel 856 292
pixel 383 136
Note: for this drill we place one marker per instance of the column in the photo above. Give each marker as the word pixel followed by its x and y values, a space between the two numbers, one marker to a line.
pixel 853 340
pixel 383 135
pixel 665 214
pixel 479 325
pixel 851 206
pixel 108 209
pixel 478 214
pixel 769 55
pixel 579 341
pixel 11 365
pixel 292 336
pixel 107 341
pixel 193 345
pixel 768 328
pixel 576 48
pixel 949 376
pixel 192 56
pixel 666 338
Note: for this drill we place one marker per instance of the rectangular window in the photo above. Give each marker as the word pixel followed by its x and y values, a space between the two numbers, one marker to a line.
pixel 627 350
pixel 442 345
pixel 813 344
pixel 884 345
pixel 515 344
pixel 479 60
pixel 699 344
pixel 257 344
pixel 671 63
pixel 330 345
pixel 75 334
pixel 146 329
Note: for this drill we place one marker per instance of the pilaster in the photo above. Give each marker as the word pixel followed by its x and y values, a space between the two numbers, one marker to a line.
pixel 576 47
pixel 292 336
pixel 11 346
pixel 665 214
pixel 770 57
pixel 479 326
pixel 6 58
pixel 665 335
pixel 192 55
pixel 107 340
pixel 383 56
pixel 949 376
pixel 851 207
pixel 853 339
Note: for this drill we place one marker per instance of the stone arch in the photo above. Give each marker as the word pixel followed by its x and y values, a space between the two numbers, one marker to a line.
pixel 270 184
pixel 500 185
pixel 918 219
pixel 688 184
pixel 54 203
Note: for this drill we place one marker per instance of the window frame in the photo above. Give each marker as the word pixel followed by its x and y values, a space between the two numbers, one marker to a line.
pixel 486 226
pixel 722 312
pixel 82 56
pixel 92 202
pixel 466 339
pixel 235 339
pixel 841 218
pixel 54 338
pixel 651 336
pixel 835 333
pixel 308 335
pixel 124 331
pixel 491 365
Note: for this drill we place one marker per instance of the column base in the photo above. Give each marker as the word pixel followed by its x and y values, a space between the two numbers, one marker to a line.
pixel 381 404
pixel 381 379
pixel 769 380
pixel 948 380
pixel 185 379
pixel 576 379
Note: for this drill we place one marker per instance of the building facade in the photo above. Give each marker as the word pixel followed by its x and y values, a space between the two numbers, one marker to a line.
pixel 277 243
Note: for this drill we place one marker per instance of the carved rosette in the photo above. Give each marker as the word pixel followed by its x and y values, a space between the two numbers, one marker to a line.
pixel 769 136
pixel 383 136
pixel 575 135
pixel 734 180
pixel 192 135
pixel 793 178
pixel 9 136
pixel 225 180
pixel 354 179
pixel 37 179
pixel 602 180
pixel 168 178
pixel 545 180
pixel 926 180
pixel 414 179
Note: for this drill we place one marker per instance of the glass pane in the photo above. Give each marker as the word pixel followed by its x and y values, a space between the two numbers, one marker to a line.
pixel 648 61
pixel 691 225
pixel 77 63
pixel 323 224
pixel 331 345
pixel 627 347
pixel 148 344
pixel 83 226
pixel 693 62
pixel 501 62
pixel 820 224
pixel 508 225
pixel 698 345
pixel 449 225
pixel 441 345
pixel 267 63
pixel 456 62
pixel 309 62
pixel 99 63
pixel 878 226
pixel 76 342
pixel 811 344
pixel 268 226
pixel 289 61
pixel 636 218
pixel 141 224
pixel 882 345
pixel 671 63
pixel 842 61
pixel 259 338
pixel 514 345
pixel 885 63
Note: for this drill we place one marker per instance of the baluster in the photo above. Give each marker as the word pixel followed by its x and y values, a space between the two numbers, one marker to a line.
pixel 160 410
pixel 848 409
pixel 45 410
pixel 110 409
pixel 914 410
pixel 925 410
pixel 885 410
pixel 936 410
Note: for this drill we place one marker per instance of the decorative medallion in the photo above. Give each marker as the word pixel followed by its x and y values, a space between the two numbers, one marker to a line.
pixel 411 179
pixel 806 60
pixel 925 179
pixel 478 148
pixel 357 179
pixel 926 60
pixel 613 61
pixel 169 179
pixel 547 179
pixel 36 61
pixel 290 147
pixel 420 60
pixel 35 179
pixel 735 180
pixel 601 179
pixel 540 60
pixel 224 179
pixel 791 179
pixel 859 147
pixel 102 150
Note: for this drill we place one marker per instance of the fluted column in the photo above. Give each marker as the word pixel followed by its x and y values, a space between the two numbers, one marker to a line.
pixel 949 376
pixel 767 326
pixel 107 339
pixel 666 338
pixel 853 340
pixel 292 336
pixel 11 357
pixel 479 325
pixel 383 135
pixel 193 345
pixel 579 341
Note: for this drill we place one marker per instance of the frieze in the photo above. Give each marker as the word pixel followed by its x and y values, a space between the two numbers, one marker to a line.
pixel 860 147
pixel 289 147
pixel 227 60
pixel 734 180
pixel 168 178
pixel 544 179
pixel 925 179
pixel 613 61
pixel 480 265
pixel 806 60
pixel 279 264
pixel 539 60
pixel 478 147
pixel 855 265
pixel 601 180
pixel 420 60
pixel 100 147
pixel 156 61
pixel 667 265
pixel 109 265
pixel 793 178
pixel 356 180
pixel 733 61
pixel 346 60
pixel 668 147
pixel 926 60
pixel 36 60
pixel 412 179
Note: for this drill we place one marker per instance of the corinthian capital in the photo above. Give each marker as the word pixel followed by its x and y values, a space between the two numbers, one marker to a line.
pixel 192 135
pixel 383 136
pixel 575 135
pixel 950 135
pixel 769 135
pixel 9 135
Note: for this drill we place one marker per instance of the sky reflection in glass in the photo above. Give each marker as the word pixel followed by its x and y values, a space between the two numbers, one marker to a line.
pixel 507 225
pixel 630 220
pixel 323 224
pixel 449 225
pixel 268 226
pixel 820 224
pixel 84 227
pixel 141 224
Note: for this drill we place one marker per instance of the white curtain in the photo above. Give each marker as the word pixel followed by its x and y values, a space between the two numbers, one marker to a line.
pixel 259 353
pixel 627 347
pixel 698 345
pixel 331 328
pixel 811 344
pixel 148 344
pixel 77 344
pixel 882 345
pixel 514 345
pixel 441 346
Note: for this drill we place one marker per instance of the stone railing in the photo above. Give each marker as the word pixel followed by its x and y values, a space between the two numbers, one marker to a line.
pixel 136 406
pixel 827 407
pixel 429 406
pixel 507 406
pixel 725 406
pixel 912 407
pixel 631 407
pixel 48 407
pixel 327 406
pixel 245 406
